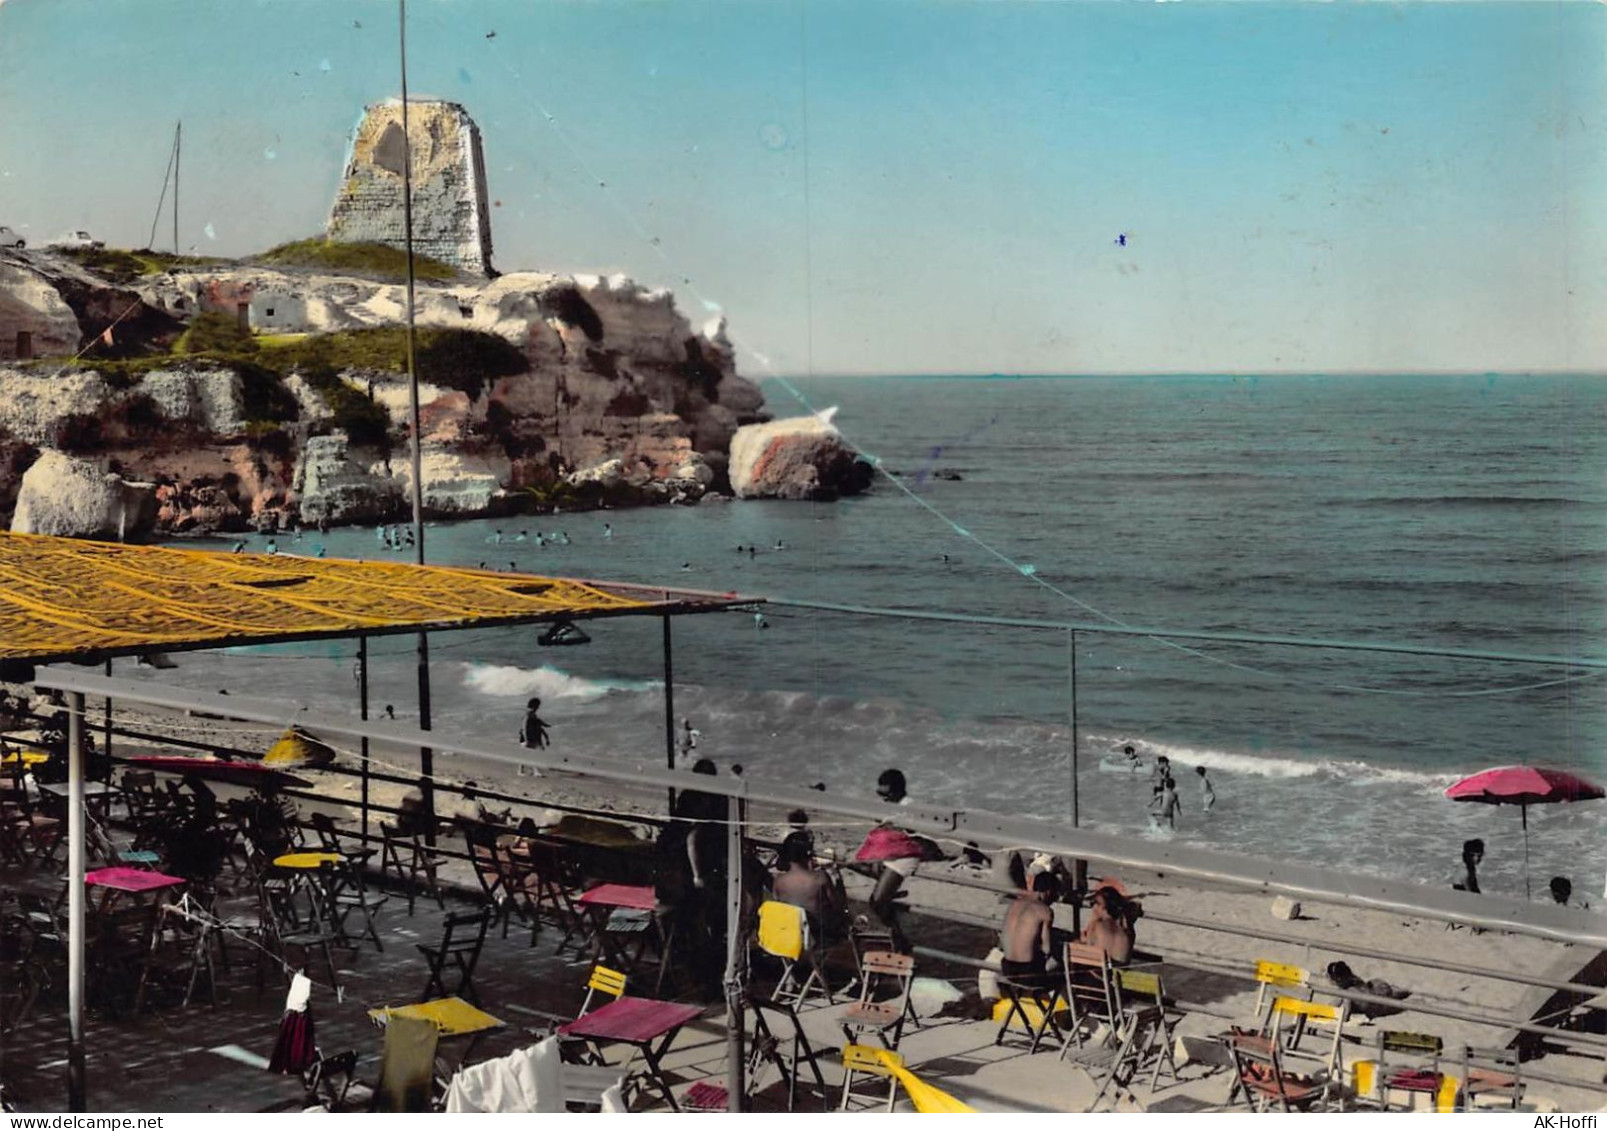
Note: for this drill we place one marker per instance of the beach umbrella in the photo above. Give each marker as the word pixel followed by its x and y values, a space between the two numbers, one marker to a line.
pixel 217 769
pixel 298 748
pixel 1524 786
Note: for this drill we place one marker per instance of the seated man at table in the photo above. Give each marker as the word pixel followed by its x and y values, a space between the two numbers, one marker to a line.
pixel 1026 937
pixel 801 884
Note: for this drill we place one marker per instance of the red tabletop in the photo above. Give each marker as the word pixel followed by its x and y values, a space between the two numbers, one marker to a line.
pixel 635 1020
pixel 130 879
pixel 620 895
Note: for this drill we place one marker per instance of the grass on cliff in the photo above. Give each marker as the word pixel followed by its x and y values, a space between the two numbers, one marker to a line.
pixel 374 259
pixel 120 266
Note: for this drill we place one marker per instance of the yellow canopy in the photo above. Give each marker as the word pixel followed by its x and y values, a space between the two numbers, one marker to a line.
pixel 64 598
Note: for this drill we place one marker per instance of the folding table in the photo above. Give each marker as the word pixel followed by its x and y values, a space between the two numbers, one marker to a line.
pixel 638 1022
pixel 597 907
pixel 453 1017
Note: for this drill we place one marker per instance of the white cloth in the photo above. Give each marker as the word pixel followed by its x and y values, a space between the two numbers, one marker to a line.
pixel 614 1101
pixel 300 993
pixel 526 1080
pixel 905 866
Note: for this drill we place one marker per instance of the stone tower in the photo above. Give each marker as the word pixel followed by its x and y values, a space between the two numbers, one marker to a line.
pixel 450 217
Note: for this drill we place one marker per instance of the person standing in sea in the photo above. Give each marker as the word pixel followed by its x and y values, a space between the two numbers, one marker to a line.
pixel 1207 791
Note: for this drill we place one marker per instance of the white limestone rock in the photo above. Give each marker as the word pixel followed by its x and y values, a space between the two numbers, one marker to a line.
pixel 797 458
pixel 30 304
pixel 454 482
pixel 33 404
pixel 333 481
pixel 609 473
pixel 213 400
pixel 78 498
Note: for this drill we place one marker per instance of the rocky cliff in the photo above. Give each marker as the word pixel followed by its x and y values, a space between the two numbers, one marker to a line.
pixel 529 384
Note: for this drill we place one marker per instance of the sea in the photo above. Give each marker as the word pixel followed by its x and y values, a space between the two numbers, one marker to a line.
pixel 1449 513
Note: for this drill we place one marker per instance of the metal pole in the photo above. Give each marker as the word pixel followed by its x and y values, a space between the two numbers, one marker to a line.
pixel 1075 799
pixel 107 737
pixel 426 754
pixel 75 902
pixel 669 708
pixel 735 958
pixel 362 713
pixel 178 146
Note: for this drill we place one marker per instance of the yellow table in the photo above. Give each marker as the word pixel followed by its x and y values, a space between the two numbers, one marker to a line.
pixel 453 1016
pixel 24 757
pixel 307 861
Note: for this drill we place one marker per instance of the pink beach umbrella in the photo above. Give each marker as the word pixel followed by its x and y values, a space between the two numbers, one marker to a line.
pixel 1524 786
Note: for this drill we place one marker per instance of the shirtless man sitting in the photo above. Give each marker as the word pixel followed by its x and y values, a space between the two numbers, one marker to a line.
pixel 1025 940
pixel 799 883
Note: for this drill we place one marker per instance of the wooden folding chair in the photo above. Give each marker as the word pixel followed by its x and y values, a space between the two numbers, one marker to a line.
pixel 607 983
pixel 1275 980
pixel 1035 1006
pixel 1143 989
pixel 779 1039
pixel 1091 996
pixel 553 886
pixel 408 859
pixel 783 933
pixel 1491 1074
pixel 1283 1067
pixel 348 895
pixel 864 1061
pixel 462 939
pixel 879 1013
pixel 1114 1065
pixel 1405 1064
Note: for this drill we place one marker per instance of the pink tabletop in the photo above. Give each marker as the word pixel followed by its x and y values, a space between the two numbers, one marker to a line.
pixel 620 895
pixel 635 1020
pixel 130 879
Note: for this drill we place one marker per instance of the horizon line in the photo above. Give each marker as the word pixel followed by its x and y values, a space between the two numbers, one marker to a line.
pixel 1048 375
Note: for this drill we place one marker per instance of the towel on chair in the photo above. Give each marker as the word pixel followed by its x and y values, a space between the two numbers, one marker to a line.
pixel 526 1080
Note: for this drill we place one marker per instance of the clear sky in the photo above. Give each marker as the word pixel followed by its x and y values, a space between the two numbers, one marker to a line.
pixel 904 185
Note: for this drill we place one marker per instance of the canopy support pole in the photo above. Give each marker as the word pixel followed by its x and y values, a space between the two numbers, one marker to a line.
pixel 362 713
pixel 106 729
pixel 75 902
pixel 1079 866
pixel 669 708
pixel 735 958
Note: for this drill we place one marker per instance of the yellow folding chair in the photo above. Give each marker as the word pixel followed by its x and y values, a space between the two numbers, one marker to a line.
pixel 784 933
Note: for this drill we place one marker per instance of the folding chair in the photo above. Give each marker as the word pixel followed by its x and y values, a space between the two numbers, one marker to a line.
pixel 1114 1065
pixel 783 933
pixel 462 939
pixel 779 1039
pixel 408 859
pixel 1495 1074
pixel 1091 995
pixel 1274 980
pixel 862 1060
pixel 283 928
pixel 489 870
pixel 878 1013
pixel 610 983
pixel 1036 1006
pixel 348 894
pixel 1404 1062
pixel 1276 1068
pixel 865 938
pixel 1143 989
pixel 553 885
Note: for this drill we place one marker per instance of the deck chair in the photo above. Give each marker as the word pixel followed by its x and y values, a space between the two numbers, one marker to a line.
pixel 407 1069
pixel 1143 989
pixel 884 999
pixel 1114 1065
pixel 1091 995
pixel 779 1039
pixel 462 939
pixel 784 933
pixel 1495 1075
pixel 406 857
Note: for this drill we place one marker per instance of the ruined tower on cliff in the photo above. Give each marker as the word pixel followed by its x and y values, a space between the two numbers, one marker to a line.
pixel 450 217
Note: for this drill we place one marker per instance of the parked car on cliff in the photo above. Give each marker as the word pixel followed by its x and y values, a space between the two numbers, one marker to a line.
pixel 8 238
pixel 78 238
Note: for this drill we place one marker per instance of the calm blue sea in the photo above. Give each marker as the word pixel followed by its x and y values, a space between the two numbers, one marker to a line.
pixel 1449 512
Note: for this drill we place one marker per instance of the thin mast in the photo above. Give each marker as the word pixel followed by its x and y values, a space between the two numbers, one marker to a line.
pixel 178 145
